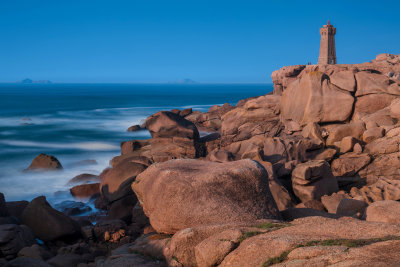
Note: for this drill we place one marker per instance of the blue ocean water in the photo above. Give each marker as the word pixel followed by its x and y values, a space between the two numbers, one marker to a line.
pixel 77 122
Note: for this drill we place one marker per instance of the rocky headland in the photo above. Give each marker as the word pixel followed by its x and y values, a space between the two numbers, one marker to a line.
pixel 308 175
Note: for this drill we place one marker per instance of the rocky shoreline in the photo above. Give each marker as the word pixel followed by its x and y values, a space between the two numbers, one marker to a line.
pixel 305 176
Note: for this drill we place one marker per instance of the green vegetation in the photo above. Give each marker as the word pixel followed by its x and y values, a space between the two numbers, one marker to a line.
pixel 276 260
pixel 269 225
pixel 175 258
pixel 248 234
pixel 350 243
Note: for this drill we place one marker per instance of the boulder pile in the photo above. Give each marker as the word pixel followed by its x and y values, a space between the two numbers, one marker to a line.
pixel 308 175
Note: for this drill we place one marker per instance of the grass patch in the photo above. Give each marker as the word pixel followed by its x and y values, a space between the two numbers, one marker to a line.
pixel 269 225
pixel 276 260
pixel 248 234
pixel 350 243
pixel 175 258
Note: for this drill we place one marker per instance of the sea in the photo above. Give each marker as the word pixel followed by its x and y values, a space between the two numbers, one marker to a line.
pixel 82 125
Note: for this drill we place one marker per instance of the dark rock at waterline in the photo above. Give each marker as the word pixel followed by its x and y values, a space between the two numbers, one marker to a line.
pixel 84 178
pixel 45 162
pixel 99 231
pixel 15 208
pixel 134 128
pixel 26 261
pixel 9 220
pixel 85 190
pixel 35 252
pixel 66 260
pixel 99 202
pixel 13 238
pixel 72 208
pixel 122 209
pixel 47 223
pixel 3 207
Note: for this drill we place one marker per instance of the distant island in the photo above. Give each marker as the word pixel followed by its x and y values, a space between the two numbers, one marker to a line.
pixel 29 81
pixel 184 81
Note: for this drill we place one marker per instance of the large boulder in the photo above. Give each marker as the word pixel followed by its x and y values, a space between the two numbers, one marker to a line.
pixel 349 164
pixel 47 223
pixel 258 116
pixel 313 179
pixel 15 208
pixel 383 166
pixel 338 132
pixel 344 80
pixel 13 238
pixel 45 162
pixel 395 109
pixel 183 193
pixel 384 145
pixel 313 98
pixel 387 211
pixel 115 182
pixel 168 124
pixel 368 104
pixel 373 83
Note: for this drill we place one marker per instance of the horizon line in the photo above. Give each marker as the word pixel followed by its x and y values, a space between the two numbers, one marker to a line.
pixel 149 83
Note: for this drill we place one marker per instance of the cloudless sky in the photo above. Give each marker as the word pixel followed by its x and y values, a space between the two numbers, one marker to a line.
pixel 206 41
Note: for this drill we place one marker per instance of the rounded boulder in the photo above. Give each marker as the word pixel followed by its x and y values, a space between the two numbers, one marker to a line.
pixel 184 193
pixel 45 162
pixel 47 223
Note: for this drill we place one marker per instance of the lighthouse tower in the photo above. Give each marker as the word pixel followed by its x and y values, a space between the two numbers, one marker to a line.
pixel 327 51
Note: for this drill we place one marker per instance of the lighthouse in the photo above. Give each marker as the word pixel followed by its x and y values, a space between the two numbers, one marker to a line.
pixel 327 50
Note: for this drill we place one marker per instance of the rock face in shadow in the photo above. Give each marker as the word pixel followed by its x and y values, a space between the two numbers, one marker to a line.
pixel 183 193
pixel 47 223
pixel 45 162
pixel 13 238
pixel 312 180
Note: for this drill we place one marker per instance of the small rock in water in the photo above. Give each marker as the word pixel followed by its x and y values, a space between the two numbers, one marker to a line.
pixel 45 162
pixel 83 179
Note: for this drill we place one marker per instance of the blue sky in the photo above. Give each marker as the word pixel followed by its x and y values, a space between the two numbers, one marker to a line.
pixel 207 41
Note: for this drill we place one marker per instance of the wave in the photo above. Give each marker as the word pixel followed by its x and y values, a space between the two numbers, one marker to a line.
pixel 91 146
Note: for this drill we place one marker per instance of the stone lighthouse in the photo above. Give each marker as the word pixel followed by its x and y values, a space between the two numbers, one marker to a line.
pixel 327 51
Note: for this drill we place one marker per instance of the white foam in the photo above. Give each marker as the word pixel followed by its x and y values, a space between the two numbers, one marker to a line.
pixel 91 146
